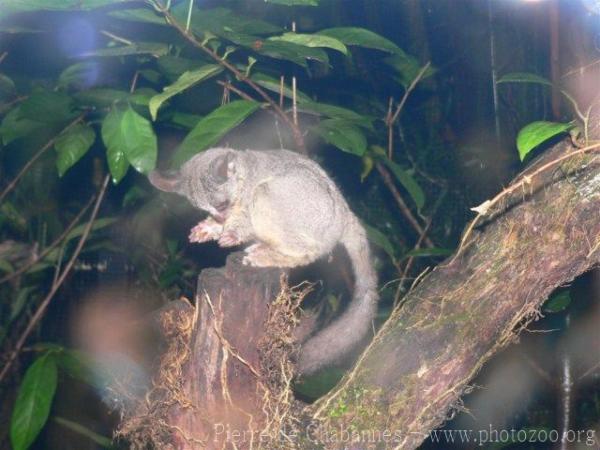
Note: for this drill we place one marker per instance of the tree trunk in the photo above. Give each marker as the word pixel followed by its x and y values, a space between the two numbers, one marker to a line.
pixel 411 378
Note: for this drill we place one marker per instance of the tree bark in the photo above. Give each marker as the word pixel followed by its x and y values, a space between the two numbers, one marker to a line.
pixel 210 386
pixel 411 378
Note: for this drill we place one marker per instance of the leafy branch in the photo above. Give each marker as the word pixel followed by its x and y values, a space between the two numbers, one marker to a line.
pixel 59 279
pixel 189 37
pixel 37 155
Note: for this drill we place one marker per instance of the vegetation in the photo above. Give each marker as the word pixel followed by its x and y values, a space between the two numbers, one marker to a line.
pixel 126 87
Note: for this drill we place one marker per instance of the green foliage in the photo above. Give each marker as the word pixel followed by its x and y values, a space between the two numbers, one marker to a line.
pixel 294 2
pixel 33 403
pixel 428 252
pixel 558 301
pixel 362 38
pixel 102 441
pixel 407 68
pixel 213 127
pixel 343 134
pixel 72 145
pixel 129 139
pixel 381 240
pixel 186 80
pixel 537 133
pixel 408 182
pixel 312 40
pixel 523 77
pixel 274 85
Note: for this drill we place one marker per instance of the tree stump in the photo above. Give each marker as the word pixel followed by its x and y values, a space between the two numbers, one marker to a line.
pixel 212 382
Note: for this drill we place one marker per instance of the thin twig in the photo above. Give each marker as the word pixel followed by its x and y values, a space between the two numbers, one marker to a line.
pixel 35 157
pixel 114 37
pixel 411 260
pixel 227 85
pixel 281 87
pixel 56 285
pixel 294 102
pixel 189 16
pixel 388 122
pixel 411 87
pixel 7 106
pixel 406 212
pixel 3 56
pixel 239 75
pixel 134 82
pixel 48 249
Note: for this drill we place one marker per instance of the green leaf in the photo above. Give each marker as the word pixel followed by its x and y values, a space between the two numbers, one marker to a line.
pixel 14 126
pixel 294 2
pixel 408 182
pixel 33 403
pixel 79 74
pixel 426 252
pixel 137 48
pixel 407 67
pixel 48 107
pixel 72 145
pixel 97 225
pixel 213 127
pixel 558 302
pixel 367 166
pixel 96 438
pixel 185 120
pixel 23 296
pixel 100 97
pixel 273 85
pixel 17 6
pixel 117 162
pixel 138 15
pixel 343 135
pixel 312 40
pixel 14 217
pixel 298 54
pixel 523 77
pixel 172 67
pixel 362 38
pixel 537 133
pixel 186 80
pixel 7 87
pixel 336 112
pixel 79 366
pixel 153 76
pixel 381 240
pixel 128 132
pixel 220 21
pixel 142 96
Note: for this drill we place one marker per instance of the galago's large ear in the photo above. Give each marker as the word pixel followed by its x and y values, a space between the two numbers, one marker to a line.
pixel 167 181
pixel 223 167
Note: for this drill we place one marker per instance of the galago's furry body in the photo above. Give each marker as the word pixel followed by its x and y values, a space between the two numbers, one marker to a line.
pixel 293 213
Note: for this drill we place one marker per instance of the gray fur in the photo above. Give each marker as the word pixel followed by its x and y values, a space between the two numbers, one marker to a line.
pixel 293 213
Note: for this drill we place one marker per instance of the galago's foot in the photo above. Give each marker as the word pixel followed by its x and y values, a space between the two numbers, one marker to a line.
pixel 207 230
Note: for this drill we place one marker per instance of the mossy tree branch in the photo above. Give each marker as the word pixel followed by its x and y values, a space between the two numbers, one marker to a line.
pixel 420 363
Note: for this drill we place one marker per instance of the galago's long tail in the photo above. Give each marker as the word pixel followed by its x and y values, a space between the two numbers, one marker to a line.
pixel 332 343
